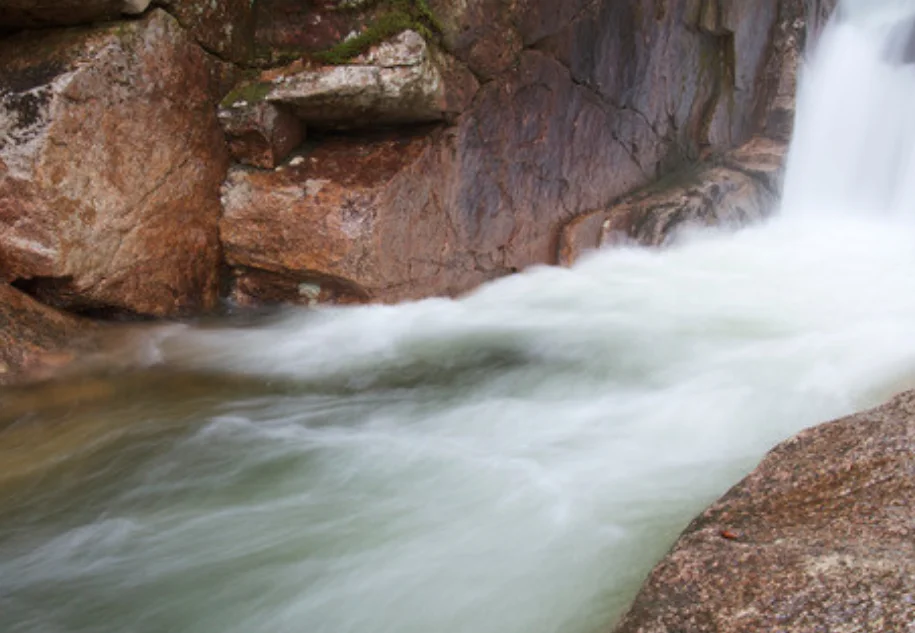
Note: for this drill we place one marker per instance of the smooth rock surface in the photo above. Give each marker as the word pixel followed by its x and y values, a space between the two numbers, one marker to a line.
pixel 820 537
pixel 732 191
pixel 111 158
pixel 34 339
pixel 400 81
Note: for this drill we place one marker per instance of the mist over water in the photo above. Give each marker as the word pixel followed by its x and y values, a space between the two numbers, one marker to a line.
pixel 513 461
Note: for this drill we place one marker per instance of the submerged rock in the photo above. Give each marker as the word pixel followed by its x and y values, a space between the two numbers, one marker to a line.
pixel 111 158
pixel 820 537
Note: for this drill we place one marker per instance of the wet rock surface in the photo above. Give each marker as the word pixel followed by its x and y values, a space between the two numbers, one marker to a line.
pixel 729 189
pixel 559 126
pixel 111 159
pixel 820 537
pixel 737 189
pixel 327 229
pixel 35 340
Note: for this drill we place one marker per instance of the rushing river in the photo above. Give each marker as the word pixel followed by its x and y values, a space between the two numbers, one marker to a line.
pixel 511 462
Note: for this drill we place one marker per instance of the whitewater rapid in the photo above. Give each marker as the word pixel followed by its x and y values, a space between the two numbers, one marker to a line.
pixel 514 461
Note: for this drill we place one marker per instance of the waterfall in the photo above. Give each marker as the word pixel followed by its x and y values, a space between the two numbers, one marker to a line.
pixel 513 461
pixel 854 144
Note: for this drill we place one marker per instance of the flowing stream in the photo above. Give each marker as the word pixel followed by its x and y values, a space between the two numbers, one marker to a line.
pixel 515 461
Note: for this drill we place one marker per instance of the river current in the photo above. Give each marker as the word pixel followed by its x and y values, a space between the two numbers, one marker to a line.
pixel 513 461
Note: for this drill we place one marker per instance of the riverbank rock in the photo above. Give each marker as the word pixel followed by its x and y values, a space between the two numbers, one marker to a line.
pixel 580 103
pixel 35 339
pixel 732 191
pixel 820 537
pixel 111 158
pixel 354 220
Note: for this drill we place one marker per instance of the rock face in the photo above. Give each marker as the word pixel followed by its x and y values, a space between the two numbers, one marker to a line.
pixel 821 537
pixel 111 159
pixel 737 189
pixel 734 189
pixel 223 27
pixel 33 337
pixel 582 102
pixel 341 225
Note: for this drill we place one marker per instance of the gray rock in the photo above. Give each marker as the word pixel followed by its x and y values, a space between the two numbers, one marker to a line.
pixel 735 190
pixel 400 81
pixel 820 537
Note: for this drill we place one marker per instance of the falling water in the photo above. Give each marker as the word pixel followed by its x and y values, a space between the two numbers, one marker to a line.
pixel 511 462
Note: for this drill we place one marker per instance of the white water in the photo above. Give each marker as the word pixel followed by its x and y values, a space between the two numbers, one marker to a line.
pixel 513 462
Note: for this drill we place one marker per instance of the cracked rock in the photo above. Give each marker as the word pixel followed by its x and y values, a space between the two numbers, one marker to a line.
pixel 111 159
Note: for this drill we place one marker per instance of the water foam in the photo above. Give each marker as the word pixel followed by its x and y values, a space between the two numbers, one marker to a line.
pixel 513 461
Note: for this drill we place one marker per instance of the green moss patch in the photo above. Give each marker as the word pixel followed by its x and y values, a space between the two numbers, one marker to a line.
pixel 396 16
pixel 251 91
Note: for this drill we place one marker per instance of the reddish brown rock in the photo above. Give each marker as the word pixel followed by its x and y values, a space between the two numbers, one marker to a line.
pixel 35 339
pixel 346 224
pixel 260 134
pixel 305 25
pixel 821 537
pixel 111 159
pixel 44 13
pixel 604 98
pixel 223 27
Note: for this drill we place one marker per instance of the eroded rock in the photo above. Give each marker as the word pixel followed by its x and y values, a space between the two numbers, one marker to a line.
pixel 733 191
pixel 820 537
pixel 111 159
pixel 35 340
